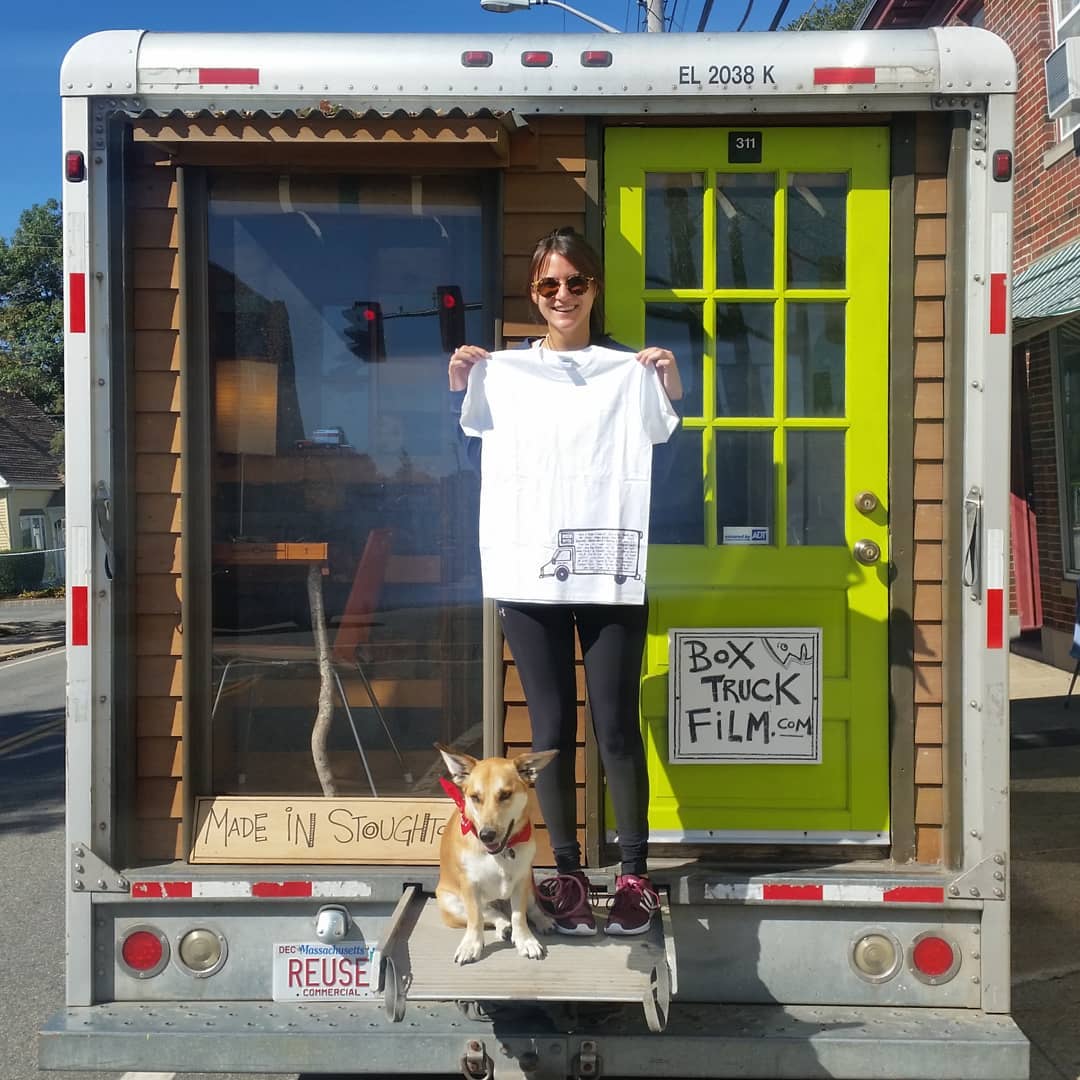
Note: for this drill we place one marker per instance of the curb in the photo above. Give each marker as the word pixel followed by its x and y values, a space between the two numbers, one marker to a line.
pixel 16 652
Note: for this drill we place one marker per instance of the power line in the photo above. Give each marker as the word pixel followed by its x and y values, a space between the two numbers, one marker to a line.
pixel 746 15
pixel 779 14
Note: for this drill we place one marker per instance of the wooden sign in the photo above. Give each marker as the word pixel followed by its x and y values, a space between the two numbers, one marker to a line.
pixel 745 696
pixel 254 829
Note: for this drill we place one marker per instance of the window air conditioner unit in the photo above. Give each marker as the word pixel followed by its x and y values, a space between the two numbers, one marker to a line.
pixel 1063 79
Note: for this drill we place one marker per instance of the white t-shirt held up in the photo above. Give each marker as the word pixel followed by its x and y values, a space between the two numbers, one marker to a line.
pixel 565 472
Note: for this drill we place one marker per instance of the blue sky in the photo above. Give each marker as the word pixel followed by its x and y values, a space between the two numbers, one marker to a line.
pixel 38 35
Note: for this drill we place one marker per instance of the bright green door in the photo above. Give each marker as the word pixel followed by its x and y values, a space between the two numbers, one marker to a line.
pixel 761 259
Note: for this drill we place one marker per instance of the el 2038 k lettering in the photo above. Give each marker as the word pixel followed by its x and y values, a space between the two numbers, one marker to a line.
pixel 726 75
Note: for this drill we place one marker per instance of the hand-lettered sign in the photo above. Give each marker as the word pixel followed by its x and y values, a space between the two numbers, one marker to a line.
pixel 745 696
pixel 254 829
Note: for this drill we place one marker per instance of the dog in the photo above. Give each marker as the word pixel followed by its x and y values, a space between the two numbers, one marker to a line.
pixel 487 850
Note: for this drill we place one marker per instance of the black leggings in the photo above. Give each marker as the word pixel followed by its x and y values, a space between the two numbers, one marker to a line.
pixel 541 638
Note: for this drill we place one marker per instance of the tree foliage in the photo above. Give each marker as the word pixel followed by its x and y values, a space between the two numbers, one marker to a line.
pixel 31 308
pixel 829 15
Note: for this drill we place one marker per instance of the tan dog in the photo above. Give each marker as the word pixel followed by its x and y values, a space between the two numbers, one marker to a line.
pixel 487 852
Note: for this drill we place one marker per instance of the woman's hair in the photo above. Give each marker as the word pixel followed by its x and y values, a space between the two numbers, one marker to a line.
pixel 573 247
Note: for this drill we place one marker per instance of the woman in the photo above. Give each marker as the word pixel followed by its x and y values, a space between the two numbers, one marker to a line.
pixel 565 280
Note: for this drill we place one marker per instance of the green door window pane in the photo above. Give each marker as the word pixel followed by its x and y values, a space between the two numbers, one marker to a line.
pixel 744 230
pixel 815 359
pixel 679 327
pixel 815 488
pixel 677 512
pixel 817 230
pixel 674 236
pixel 744 488
pixel 744 359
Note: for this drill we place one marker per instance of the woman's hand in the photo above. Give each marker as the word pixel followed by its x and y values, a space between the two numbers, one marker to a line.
pixel 666 367
pixel 461 364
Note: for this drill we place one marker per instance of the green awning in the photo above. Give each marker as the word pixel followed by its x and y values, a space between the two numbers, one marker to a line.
pixel 1049 286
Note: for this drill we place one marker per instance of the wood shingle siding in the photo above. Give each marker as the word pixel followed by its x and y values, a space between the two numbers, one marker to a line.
pixel 930 557
pixel 160 713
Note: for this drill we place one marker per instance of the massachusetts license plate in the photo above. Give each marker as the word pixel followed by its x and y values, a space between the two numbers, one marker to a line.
pixel 313 971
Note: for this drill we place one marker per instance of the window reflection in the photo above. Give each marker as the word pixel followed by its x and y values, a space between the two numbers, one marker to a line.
pixel 815 480
pixel 744 359
pixel 674 232
pixel 678 327
pixel 817 230
pixel 744 230
pixel 677 510
pixel 745 488
pixel 815 359
pixel 338 480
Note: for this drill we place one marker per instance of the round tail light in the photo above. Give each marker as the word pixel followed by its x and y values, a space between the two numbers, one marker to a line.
pixel 201 952
pixel 143 951
pixel 876 956
pixel 934 959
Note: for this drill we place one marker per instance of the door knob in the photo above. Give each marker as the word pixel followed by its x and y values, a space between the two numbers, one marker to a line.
pixel 867 552
pixel 866 502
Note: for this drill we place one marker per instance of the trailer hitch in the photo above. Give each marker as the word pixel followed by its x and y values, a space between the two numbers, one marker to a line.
pixel 475 1064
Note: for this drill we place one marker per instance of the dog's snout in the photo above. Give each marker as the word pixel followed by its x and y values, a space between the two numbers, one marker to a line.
pixel 487 836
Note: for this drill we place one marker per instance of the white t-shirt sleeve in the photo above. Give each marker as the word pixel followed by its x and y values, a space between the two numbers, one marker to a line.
pixel 475 411
pixel 657 415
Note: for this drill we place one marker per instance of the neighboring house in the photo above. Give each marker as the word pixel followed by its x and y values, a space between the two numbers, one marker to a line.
pixel 31 483
pixel 1046 304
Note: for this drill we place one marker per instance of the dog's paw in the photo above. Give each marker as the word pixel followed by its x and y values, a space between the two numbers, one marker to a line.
pixel 472 945
pixel 530 948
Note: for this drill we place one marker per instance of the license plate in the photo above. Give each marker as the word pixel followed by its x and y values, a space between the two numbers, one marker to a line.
pixel 313 971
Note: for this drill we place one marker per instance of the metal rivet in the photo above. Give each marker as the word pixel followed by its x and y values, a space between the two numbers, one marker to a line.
pixel 974 892
pixel 78 885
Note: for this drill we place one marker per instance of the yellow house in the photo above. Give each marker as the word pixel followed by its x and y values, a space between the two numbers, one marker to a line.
pixel 31 484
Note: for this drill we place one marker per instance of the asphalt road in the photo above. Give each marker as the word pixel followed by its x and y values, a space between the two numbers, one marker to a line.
pixel 32 849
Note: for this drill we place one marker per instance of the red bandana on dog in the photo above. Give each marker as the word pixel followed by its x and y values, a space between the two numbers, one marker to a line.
pixel 467 826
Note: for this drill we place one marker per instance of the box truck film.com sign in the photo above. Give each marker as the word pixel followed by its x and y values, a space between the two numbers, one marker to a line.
pixel 745 696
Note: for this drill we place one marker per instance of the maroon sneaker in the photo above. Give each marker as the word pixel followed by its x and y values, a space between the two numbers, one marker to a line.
pixel 633 905
pixel 565 898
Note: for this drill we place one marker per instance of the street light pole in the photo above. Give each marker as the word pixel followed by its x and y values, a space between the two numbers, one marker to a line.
pixel 654 11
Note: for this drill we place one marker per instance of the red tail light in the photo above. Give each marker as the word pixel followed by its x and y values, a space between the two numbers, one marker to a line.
pixel 595 58
pixel 476 58
pixel 934 959
pixel 143 952
pixel 74 166
pixel 536 59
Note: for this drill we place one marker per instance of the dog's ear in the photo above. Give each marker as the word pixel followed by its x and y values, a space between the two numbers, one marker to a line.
pixel 528 765
pixel 460 765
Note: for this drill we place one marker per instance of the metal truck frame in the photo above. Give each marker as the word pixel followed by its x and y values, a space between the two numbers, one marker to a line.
pixel 763 965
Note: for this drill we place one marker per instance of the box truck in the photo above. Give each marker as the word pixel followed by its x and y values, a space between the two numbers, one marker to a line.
pixel 265 238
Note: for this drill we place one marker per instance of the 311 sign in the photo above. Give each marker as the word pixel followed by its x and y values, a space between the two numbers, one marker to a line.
pixel 743 696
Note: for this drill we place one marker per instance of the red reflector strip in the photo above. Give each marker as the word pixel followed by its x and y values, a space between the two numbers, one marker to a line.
pixel 80 615
pixel 281 888
pixel 160 890
pixel 228 76
pixel 792 892
pixel 995 618
pixel 844 76
pixel 914 894
pixel 77 303
pixel 997 303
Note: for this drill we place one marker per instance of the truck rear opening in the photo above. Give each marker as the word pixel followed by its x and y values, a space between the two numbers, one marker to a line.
pixel 275 597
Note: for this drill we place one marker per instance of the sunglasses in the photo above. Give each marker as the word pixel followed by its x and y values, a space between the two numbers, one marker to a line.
pixel 576 285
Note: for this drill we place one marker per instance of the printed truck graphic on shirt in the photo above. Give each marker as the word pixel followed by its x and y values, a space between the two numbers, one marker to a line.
pixel 616 552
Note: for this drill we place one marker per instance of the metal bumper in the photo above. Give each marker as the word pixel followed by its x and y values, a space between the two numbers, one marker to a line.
pixel 540 1042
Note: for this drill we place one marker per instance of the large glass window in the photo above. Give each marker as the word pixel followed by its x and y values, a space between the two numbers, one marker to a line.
pixel 1067 350
pixel 346 588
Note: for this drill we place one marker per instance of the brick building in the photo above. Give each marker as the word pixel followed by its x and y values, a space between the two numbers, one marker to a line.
pixel 1046 309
